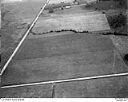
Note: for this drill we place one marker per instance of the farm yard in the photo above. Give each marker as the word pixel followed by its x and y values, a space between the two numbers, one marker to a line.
pixel 67 42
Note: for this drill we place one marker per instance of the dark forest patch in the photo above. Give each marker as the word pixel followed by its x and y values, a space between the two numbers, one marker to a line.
pixel 116 21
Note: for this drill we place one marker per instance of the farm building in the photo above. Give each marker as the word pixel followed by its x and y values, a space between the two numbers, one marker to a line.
pixel 60 1
pixel 54 4
pixel 70 1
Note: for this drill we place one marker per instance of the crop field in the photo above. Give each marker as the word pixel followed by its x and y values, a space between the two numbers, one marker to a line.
pixel 65 57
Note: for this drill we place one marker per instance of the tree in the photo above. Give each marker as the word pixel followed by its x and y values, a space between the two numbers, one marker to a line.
pixel 122 3
pixel 51 10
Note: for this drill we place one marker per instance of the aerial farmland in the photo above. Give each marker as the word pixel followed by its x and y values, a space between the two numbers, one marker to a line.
pixel 71 49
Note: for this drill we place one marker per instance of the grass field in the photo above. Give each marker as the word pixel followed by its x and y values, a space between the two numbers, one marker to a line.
pixel 16 18
pixel 65 57
pixel 79 22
